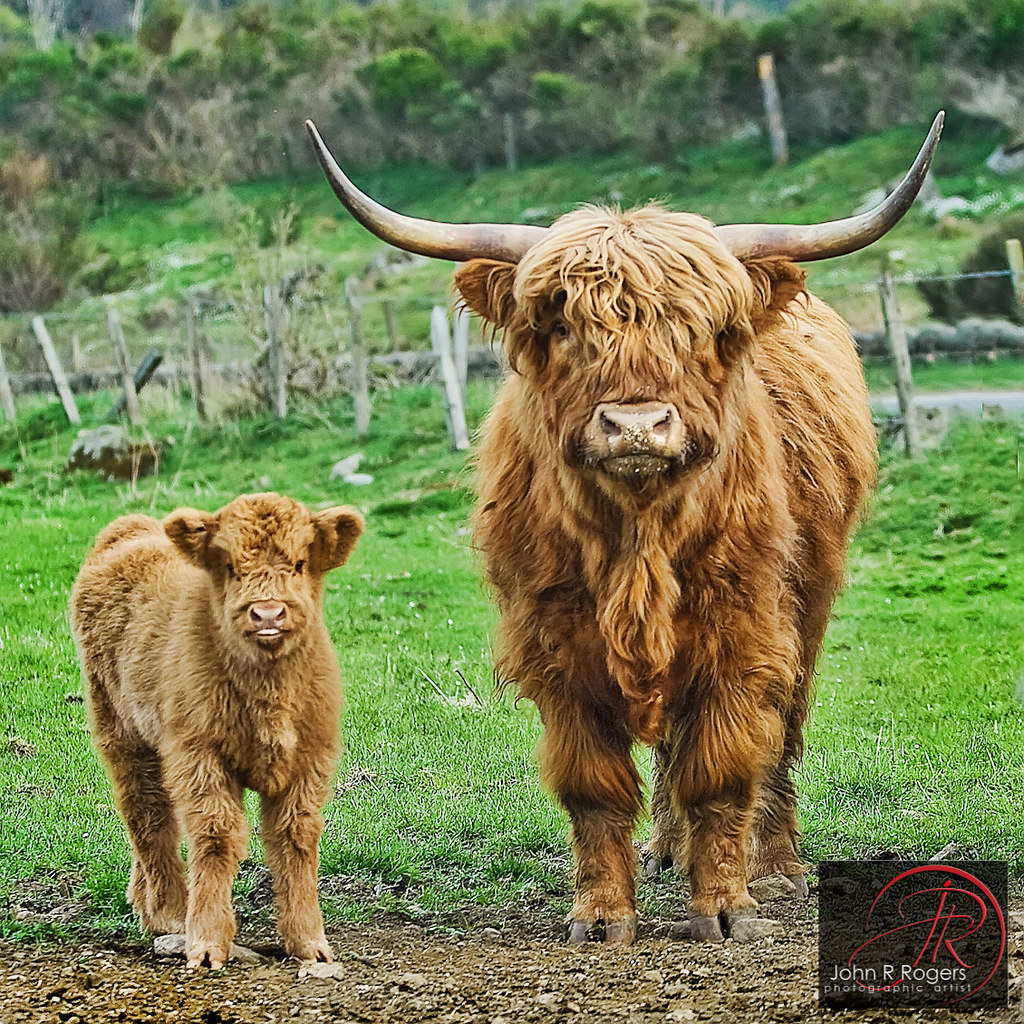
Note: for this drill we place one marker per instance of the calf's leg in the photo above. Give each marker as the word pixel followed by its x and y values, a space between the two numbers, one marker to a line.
pixel 217 833
pixel 156 889
pixel 292 824
pixel 585 756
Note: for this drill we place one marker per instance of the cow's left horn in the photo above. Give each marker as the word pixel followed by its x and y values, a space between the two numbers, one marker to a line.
pixel 837 237
pixel 505 242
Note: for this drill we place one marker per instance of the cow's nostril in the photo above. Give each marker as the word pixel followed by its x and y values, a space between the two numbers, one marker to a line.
pixel 609 427
pixel 661 429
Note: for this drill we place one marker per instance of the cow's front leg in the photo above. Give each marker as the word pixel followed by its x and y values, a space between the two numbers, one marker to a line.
pixel 586 760
pixel 217 832
pixel 717 863
pixel 719 760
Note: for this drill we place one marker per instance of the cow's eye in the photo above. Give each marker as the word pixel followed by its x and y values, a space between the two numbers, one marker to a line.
pixel 231 571
pixel 300 565
pixel 559 330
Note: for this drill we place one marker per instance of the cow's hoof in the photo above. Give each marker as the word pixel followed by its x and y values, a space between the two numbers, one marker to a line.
pixel 705 929
pixel 800 884
pixel 653 864
pixel 621 932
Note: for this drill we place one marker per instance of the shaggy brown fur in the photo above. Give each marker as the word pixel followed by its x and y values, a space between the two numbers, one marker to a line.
pixel 209 671
pixel 679 599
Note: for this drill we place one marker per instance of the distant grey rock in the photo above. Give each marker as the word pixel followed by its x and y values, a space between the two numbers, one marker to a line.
pixel 1007 160
pixel 110 451
pixel 167 947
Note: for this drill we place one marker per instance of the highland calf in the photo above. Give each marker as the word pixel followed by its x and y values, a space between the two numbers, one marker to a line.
pixel 667 482
pixel 209 671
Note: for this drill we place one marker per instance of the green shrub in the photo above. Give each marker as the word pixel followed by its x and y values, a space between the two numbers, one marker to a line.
pixel 40 252
pixel 402 78
pixel 161 24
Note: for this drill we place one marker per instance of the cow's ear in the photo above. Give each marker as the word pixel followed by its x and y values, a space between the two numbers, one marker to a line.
pixel 486 288
pixel 337 530
pixel 191 532
pixel 777 282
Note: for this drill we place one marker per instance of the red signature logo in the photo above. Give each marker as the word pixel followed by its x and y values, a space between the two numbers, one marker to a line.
pixel 952 912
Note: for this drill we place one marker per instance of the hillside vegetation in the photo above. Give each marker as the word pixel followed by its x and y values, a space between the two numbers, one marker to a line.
pixel 200 96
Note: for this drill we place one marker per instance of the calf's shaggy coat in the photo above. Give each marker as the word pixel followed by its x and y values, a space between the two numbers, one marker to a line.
pixel 209 671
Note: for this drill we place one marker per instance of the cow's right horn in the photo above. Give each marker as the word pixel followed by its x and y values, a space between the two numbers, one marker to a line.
pixel 504 242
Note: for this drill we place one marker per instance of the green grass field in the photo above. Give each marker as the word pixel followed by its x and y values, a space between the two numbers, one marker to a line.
pixel 916 740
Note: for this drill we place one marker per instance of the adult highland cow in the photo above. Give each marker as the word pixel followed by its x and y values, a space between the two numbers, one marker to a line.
pixel 668 482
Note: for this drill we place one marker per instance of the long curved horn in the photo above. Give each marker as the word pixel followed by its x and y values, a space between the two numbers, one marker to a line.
pixel 837 237
pixel 505 242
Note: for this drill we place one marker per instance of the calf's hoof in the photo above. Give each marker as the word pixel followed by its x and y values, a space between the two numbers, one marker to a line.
pixel 311 951
pixel 741 924
pixel 618 932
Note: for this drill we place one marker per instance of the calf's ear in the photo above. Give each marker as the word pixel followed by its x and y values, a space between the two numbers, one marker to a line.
pixel 486 288
pixel 191 532
pixel 337 530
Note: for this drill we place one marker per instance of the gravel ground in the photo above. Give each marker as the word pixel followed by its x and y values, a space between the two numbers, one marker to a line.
pixel 497 967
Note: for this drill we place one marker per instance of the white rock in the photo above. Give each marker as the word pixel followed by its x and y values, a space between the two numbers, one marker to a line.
pixel 344 467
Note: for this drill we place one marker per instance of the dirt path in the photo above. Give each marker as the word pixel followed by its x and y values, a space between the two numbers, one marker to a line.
pixel 491 969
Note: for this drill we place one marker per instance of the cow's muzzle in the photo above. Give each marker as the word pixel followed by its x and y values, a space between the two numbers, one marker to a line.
pixel 269 620
pixel 637 440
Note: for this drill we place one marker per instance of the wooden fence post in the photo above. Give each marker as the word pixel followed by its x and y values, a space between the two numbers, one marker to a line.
pixel 6 395
pixel 124 367
pixel 461 344
pixel 390 324
pixel 1015 258
pixel 272 318
pixel 147 368
pixel 773 108
pixel 60 382
pixel 360 368
pixel 896 332
pixel 195 351
pixel 454 409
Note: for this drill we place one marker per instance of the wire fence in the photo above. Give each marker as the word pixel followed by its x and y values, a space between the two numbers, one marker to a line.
pixel 230 342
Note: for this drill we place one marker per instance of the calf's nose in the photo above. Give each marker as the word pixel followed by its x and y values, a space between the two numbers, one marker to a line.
pixel 653 427
pixel 268 616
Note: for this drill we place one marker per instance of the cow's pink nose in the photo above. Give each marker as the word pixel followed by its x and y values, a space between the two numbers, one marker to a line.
pixel 643 427
pixel 268 616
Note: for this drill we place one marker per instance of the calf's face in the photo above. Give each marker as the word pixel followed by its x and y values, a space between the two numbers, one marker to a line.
pixel 265 556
